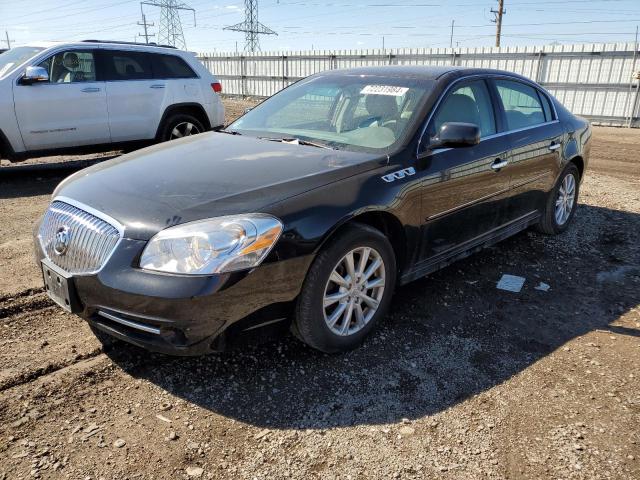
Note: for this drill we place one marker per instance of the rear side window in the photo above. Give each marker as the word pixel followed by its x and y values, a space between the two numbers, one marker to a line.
pixel 170 66
pixel 522 105
pixel 122 65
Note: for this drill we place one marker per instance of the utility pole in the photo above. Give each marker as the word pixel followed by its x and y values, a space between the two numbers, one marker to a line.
pixel 451 38
pixel 251 27
pixel 170 28
pixel 383 42
pixel 8 40
pixel 498 20
pixel 144 24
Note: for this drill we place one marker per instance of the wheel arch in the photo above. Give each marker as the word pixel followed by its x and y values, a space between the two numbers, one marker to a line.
pixel 5 147
pixel 578 161
pixel 383 221
pixel 194 109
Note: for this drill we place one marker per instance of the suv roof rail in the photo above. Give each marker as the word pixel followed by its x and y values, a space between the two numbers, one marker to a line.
pixel 129 43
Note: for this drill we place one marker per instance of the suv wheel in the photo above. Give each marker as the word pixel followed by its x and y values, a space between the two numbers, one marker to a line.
pixel 347 290
pixel 561 203
pixel 181 125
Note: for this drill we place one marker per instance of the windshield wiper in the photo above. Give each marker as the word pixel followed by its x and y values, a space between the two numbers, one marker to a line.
pixel 230 132
pixel 297 141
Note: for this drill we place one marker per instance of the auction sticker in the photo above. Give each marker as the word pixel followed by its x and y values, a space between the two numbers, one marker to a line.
pixel 384 90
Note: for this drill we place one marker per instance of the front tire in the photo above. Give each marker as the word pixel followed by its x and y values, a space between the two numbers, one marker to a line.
pixel 180 125
pixel 347 291
pixel 561 203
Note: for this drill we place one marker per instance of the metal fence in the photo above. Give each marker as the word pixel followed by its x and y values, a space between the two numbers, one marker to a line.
pixel 594 80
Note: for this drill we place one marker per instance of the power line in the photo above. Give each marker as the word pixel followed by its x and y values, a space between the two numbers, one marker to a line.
pixel 87 10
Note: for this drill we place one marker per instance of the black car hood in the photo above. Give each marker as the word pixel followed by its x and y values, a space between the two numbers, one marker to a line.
pixel 206 176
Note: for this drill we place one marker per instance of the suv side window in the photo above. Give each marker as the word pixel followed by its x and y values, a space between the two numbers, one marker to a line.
pixel 126 65
pixel 71 67
pixel 522 105
pixel 171 66
pixel 469 103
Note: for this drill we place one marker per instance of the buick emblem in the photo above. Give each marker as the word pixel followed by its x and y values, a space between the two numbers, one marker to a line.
pixel 62 240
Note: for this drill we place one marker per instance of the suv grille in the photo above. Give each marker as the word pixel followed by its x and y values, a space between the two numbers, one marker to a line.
pixel 89 240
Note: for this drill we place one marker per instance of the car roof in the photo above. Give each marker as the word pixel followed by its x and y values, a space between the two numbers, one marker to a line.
pixel 422 72
pixel 87 44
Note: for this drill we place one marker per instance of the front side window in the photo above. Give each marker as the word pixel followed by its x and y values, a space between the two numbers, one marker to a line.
pixel 126 65
pixel 71 67
pixel 522 105
pixel 469 103
pixel 358 113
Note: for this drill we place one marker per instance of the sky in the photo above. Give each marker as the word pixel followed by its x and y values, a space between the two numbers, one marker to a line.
pixel 331 24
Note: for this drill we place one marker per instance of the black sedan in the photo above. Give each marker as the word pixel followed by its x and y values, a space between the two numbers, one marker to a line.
pixel 310 209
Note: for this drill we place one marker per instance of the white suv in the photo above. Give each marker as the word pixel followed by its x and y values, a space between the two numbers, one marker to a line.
pixel 93 93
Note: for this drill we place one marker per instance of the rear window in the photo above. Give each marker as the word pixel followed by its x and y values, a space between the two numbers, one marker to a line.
pixel 120 65
pixel 170 66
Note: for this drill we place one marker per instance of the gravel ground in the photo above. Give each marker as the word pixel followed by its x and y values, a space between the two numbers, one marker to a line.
pixel 461 381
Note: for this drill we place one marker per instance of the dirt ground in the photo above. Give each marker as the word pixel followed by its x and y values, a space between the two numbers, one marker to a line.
pixel 462 381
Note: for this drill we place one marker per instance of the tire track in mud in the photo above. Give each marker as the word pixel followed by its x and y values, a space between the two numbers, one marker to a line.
pixel 30 300
pixel 33 308
pixel 36 322
pixel 51 368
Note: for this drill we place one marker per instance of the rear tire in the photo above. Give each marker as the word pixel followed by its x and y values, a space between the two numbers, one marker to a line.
pixel 337 310
pixel 561 203
pixel 180 125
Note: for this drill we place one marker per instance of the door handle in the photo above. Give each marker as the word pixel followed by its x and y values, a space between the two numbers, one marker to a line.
pixel 90 90
pixel 157 86
pixel 554 146
pixel 498 164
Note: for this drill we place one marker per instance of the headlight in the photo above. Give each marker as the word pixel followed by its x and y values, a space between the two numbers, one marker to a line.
pixel 216 245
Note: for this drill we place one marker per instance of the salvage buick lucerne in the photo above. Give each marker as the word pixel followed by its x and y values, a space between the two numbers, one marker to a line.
pixel 311 208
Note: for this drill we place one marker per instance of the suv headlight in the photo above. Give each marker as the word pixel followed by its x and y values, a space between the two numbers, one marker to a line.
pixel 215 245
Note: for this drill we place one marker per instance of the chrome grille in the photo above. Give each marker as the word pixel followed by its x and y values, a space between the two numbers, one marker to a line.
pixel 91 239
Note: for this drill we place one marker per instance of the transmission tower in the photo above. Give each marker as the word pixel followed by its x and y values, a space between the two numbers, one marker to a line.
pixel 170 27
pixel 251 27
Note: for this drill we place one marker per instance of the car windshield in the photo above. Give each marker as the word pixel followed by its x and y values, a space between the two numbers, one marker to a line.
pixel 16 56
pixel 360 113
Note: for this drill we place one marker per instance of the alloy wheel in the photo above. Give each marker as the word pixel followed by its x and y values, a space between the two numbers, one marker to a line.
pixel 354 291
pixel 184 129
pixel 565 200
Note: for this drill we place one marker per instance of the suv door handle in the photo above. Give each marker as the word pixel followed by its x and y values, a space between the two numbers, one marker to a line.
pixel 498 164
pixel 90 90
pixel 554 146
pixel 157 86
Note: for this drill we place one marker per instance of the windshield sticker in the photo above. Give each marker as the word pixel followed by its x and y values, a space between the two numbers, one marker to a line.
pixel 384 90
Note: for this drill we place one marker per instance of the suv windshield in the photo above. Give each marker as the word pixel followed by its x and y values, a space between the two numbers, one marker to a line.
pixel 359 113
pixel 16 56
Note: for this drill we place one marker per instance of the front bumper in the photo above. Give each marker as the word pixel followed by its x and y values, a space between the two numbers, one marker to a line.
pixel 181 314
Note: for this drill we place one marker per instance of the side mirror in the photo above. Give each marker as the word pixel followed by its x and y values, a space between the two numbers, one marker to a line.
pixel 34 75
pixel 456 134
